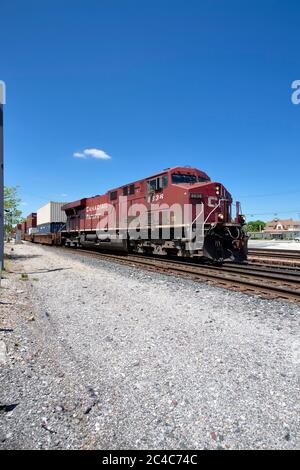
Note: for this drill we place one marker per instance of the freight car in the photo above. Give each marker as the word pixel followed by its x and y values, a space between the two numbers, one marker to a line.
pixel 46 224
pixel 178 211
pixel 31 221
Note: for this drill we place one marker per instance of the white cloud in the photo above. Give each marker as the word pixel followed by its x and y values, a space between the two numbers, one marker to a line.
pixel 24 203
pixel 79 155
pixel 93 153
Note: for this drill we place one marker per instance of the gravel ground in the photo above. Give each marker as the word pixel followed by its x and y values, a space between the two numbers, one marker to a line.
pixel 96 355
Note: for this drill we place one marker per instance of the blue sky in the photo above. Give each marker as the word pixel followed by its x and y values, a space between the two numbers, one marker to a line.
pixel 152 84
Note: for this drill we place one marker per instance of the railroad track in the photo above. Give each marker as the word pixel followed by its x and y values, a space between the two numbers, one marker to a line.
pixel 270 281
pixel 275 253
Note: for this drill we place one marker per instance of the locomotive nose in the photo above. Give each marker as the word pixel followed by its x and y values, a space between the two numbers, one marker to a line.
pixel 224 242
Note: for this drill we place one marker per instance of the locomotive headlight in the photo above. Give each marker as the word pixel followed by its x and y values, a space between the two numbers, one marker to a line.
pixel 217 190
pixel 220 217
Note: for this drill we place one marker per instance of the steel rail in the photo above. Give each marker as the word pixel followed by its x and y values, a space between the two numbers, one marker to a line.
pixel 279 284
pixel 284 254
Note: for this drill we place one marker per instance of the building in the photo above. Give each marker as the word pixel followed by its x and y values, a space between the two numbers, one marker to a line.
pixel 282 225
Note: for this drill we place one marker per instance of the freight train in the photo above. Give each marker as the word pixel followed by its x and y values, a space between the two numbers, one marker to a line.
pixel 178 212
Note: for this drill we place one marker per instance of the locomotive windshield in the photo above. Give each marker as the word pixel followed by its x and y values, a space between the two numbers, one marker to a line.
pixel 178 178
pixel 202 179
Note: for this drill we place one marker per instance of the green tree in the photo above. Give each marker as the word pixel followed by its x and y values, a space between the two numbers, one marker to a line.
pixel 12 215
pixel 255 226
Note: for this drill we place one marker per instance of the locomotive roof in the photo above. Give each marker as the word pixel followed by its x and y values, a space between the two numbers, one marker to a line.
pixel 186 169
pixel 70 205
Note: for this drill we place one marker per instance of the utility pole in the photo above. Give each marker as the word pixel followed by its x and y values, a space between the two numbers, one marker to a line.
pixel 2 101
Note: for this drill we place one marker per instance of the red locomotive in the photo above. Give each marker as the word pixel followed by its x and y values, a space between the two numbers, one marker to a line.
pixel 178 211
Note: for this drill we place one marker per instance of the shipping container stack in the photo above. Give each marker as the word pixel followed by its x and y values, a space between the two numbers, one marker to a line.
pixel 50 218
pixel 31 223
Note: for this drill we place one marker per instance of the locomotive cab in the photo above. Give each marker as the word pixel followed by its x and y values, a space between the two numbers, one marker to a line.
pixel 223 238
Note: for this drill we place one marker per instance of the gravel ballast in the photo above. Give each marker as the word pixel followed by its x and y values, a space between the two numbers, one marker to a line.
pixel 99 355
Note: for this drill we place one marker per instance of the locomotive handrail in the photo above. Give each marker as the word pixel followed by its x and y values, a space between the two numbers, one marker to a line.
pixel 220 200
pixel 196 218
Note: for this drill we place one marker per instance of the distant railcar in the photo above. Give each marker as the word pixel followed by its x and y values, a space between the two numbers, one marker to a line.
pixel 31 221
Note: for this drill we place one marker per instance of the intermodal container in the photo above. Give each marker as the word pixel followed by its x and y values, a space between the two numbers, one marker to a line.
pixel 31 220
pixel 51 213
pixel 52 227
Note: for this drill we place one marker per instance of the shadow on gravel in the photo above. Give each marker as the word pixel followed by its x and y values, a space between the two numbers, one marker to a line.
pixel 15 256
pixel 41 271
pixel 7 408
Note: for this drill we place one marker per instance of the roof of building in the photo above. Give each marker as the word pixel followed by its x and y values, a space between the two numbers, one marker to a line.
pixel 285 223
